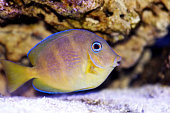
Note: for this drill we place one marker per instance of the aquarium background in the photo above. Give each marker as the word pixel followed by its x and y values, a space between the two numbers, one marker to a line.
pixel 137 30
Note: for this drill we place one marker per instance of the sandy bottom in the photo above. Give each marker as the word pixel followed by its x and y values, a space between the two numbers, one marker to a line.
pixel 147 99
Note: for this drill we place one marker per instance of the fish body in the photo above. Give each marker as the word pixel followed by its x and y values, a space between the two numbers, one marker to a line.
pixel 66 61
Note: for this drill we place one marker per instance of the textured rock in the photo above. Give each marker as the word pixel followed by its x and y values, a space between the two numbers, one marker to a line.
pixel 73 8
pixel 3 88
pixel 160 63
pixel 7 12
pixel 19 39
pixel 130 51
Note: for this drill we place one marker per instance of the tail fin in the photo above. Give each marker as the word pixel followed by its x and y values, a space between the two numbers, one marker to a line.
pixel 16 74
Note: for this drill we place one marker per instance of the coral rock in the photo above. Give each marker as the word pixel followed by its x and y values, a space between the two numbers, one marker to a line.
pixel 18 40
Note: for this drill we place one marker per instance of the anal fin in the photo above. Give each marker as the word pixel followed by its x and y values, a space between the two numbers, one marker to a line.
pixel 43 87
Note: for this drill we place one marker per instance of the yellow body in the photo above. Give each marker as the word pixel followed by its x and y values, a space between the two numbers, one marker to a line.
pixel 64 62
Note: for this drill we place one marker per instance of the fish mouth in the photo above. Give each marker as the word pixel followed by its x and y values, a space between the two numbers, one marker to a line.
pixel 117 61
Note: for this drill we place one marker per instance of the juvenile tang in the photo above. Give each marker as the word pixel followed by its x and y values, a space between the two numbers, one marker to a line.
pixel 66 61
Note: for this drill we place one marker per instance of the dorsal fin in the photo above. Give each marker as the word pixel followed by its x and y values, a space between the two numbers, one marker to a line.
pixel 34 52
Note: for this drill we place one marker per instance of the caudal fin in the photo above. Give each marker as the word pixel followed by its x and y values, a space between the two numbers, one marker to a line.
pixel 16 74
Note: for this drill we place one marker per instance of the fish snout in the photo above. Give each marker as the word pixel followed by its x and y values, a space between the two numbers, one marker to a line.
pixel 117 61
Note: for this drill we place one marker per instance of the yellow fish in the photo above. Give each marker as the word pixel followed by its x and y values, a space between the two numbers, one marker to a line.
pixel 66 61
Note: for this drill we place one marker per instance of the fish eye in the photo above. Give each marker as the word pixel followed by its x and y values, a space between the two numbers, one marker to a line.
pixel 96 46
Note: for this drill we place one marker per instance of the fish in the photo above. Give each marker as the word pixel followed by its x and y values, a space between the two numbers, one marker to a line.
pixel 66 61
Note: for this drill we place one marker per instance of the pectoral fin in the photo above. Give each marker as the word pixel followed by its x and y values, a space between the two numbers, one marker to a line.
pixel 91 66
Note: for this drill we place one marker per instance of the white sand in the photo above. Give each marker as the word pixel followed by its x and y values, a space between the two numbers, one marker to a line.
pixel 148 99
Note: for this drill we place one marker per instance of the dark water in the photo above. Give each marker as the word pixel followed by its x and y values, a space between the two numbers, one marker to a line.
pixel 162 42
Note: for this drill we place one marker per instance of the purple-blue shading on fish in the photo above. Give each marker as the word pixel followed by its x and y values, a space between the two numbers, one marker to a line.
pixel 66 61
